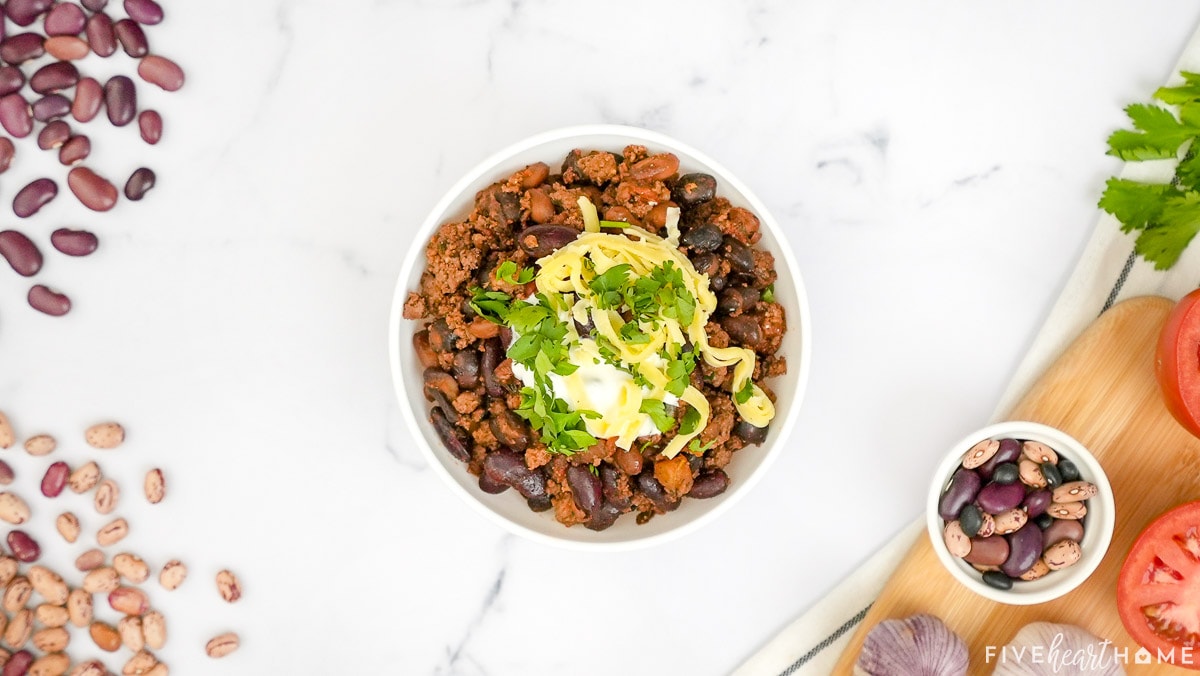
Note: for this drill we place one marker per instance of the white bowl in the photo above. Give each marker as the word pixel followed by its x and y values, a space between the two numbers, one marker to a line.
pixel 508 509
pixel 1098 523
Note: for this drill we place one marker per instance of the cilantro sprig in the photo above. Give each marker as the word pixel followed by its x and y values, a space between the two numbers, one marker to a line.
pixel 1165 215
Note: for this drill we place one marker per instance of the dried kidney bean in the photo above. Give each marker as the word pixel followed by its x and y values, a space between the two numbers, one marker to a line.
pixel 150 125
pixel 51 107
pixel 64 19
pixel 37 194
pixel 132 38
pixel 43 299
pixel 146 12
pixel 15 115
pixel 100 35
pixel 74 242
pixel 18 49
pixel 11 80
pixel 20 252
pixel 161 71
pixel 93 190
pixel 140 182
pixel 54 77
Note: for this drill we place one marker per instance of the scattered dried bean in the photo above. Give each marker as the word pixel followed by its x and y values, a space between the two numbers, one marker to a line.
pixel 173 574
pixel 20 252
pixel 140 182
pixel 48 301
pixel 55 479
pixel 229 586
pixel 150 125
pixel 112 533
pixel 74 242
pixel 105 435
pixel 23 546
pixel 222 645
pixel 155 486
pixel 93 190
pixel 161 71
pixel 40 444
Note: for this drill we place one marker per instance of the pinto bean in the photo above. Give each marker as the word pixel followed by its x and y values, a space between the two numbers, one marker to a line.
pixel 658 167
pixel 541 209
pixel 541 240
pixel 657 217
pixel 629 460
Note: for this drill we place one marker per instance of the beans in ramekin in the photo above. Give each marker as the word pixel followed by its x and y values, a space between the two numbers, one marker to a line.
pixel 1010 512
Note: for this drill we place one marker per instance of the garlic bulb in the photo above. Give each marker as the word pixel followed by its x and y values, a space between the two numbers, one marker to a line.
pixel 1055 649
pixel 920 645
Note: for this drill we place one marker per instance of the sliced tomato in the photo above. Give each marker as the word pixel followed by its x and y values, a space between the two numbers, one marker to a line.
pixel 1177 363
pixel 1158 591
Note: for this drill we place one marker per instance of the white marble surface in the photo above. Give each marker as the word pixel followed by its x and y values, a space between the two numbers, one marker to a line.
pixel 936 165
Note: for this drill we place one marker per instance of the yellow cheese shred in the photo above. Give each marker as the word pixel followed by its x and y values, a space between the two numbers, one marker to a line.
pixel 571 268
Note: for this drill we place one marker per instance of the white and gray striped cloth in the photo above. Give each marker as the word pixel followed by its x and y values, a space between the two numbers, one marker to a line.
pixel 1107 272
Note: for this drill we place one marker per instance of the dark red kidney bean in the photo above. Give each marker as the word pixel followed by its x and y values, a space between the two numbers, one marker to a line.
pixel 425 354
pixel 92 190
pixel 6 473
pixel 1062 529
pixel 146 12
pixel 1025 548
pixel 24 547
pixel 963 488
pixel 749 433
pixel 20 252
pixel 508 467
pixel 161 71
pixel 120 100
pixel 140 182
pixel 453 438
pixel 693 189
pixel 54 77
pixel 74 242
pixel 603 517
pixel 7 152
pixel 1036 502
pixel 18 664
pixel 95 5
pixel 629 460
pixel 89 96
pixel 706 237
pixel 1010 450
pixel 654 491
pixel 586 489
pixel 17 49
pixel 53 303
pixel 150 125
pixel 100 35
pixel 437 380
pixel 34 196
pixel 25 12
pixel 493 354
pixel 743 330
pixel 55 479
pixel 510 430
pixel 75 150
pixel 709 485
pixel 15 115
pixel 51 107
pixel 995 498
pixel 65 18
pixel 53 135
pixel 132 38
pixel 441 337
pixel 539 504
pixel 740 256
pixel 738 299
pixel 466 368
pixel 611 478
pixel 541 240
pixel 989 551
pixel 11 80
pixel 489 485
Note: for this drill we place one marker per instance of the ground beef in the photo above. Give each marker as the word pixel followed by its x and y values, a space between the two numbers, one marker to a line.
pixel 464 254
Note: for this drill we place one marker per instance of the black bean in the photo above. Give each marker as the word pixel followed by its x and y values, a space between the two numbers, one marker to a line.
pixel 1010 451
pixel 454 438
pixel 706 263
pixel 709 484
pixel 466 368
pixel 740 256
pixel 1068 470
pixel 743 330
pixel 693 189
pixel 1006 473
pixel 998 580
pixel 586 488
pixel 971 520
pixel 541 240
pixel 749 433
pixel 1052 475
pixel 738 299
pixel 1043 520
pixel 705 237
pixel 717 283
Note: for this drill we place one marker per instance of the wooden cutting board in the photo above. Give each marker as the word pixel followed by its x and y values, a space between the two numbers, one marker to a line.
pixel 1103 392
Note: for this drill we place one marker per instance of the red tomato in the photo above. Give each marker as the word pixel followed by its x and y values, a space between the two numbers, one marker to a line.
pixel 1158 591
pixel 1177 363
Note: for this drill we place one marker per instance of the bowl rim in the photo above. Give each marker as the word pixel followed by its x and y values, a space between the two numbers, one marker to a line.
pixel 630 134
pixel 1097 538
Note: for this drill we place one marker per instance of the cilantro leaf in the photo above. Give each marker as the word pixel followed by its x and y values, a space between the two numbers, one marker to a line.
pixel 508 272
pixel 691 421
pixel 743 395
pixel 1134 204
pixel 491 305
pixel 1163 244
pixel 768 294
pixel 608 286
pixel 1159 134
pixel 657 410
pixel 695 447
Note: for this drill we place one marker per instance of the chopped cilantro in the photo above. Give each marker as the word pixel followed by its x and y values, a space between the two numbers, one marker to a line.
pixel 491 305
pixel 691 421
pixel 743 395
pixel 695 447
pixel 663 419
pixel 507 272
pixel 768 294
pixel 607 286
pixel 679 370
